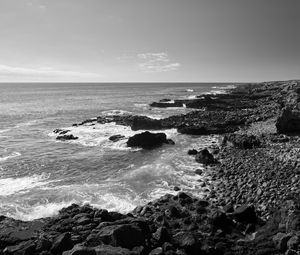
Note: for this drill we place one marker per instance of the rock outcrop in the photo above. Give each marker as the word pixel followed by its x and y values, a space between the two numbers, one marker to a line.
pixel 288 121
pixel 147 140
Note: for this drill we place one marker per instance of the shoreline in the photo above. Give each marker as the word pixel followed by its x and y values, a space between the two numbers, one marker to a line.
pixel 253 164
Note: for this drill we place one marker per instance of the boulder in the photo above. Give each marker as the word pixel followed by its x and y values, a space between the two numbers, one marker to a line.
pixel 205 157
pixel 192 152
pixel 80 250
pixel 147 140
pixel 245 214
pixel 188 242
pixel 110 250
pixel 66 137
pixel 288 121
pixel 280 240
pixel 116 138
pixel 241 141
pixel 24 248
pixel 126 235
pixel 62 243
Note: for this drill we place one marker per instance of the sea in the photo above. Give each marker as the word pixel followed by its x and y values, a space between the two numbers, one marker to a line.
pixel 39 175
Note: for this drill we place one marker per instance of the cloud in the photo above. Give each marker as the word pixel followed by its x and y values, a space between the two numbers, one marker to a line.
pixel 156 62
pixel 46 72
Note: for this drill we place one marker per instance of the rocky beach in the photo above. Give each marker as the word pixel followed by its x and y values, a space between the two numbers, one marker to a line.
pixel 252 199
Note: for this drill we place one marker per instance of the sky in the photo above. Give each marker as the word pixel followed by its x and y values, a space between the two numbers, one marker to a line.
pixel 149 40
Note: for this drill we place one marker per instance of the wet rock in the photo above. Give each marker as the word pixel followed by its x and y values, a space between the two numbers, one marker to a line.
pixel 62 243
pixel 205 157
pixel 146 123
pixel 193 130
pixel 80 250
pixel 245 214
pixel 192 152
pixel 110 250
pixel 147 140
pixel 176 188
pixel 188 242
pixel 24 248
pixel 161 235
pixel 294 242
pixel 66 137
pixel 116 138
pixel 280 240
pixel 127 235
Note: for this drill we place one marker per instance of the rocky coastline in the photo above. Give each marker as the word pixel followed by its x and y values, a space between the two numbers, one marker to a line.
pixel 252 208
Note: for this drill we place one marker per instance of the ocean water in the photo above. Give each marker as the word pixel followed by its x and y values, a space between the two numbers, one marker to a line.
pixel 39 175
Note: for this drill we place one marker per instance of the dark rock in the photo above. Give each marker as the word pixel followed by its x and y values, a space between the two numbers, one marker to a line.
pixel 188 242
pixel 66 137
pixel 80 250
pixel 166 104
pixel 43 244
pixel 288 121
pixel 24 248
pixel 176 188
pixel 147 140
pixel 241 141
pixel 62 243
pixel 220 220
pixel 192 152
pixel 161 235
pixel 199 171
pixel 126 235
pixel 110 250
pixel 245 214
pixel 294 242
pixel 205 157
pixel 280 240
pixel 229 208
pixel 145 123
pixel 116 138
pixel 170 141
pixel 193 130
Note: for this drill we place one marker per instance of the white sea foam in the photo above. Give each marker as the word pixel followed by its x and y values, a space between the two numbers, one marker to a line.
pixel 144 106
pixel 115 112
pixel 4 130
pixel 189 90
pixel 40 210
pixel 192 97
pixel 11 155
pixel 224 87
pixel 9 186
pixel 98 135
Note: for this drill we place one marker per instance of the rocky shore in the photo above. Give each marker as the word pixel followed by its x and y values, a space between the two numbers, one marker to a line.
pixel 252 208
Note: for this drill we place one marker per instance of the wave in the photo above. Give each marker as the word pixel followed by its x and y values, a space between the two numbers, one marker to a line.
pixel 39 211
pixel 224 87
pixel 22 184
pixel 115 112
pixel 12 155
pixel 98 135
pixel 189 90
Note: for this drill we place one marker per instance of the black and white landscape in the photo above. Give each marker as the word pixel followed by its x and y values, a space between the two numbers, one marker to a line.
pixel 149 127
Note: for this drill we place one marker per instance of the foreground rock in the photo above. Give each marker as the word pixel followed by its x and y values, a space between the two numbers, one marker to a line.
pixel 205 157
pixel 181 224
pixel 147 140
pixel 288 121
